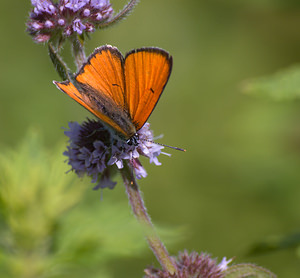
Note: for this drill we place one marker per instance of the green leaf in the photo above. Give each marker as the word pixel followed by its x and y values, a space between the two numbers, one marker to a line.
pixel 48 225
pixel 275 243
pixel 283 85
pixel 247 271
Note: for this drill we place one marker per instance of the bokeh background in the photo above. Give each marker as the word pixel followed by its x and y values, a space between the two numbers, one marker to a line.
pixel 238 182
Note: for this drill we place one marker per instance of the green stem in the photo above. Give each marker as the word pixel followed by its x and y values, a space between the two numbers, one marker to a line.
pixel 140 212
pixel 78 52
pixel 120 15
pixel 60 66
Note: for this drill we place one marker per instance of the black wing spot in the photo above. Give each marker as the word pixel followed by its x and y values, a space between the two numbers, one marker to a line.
pixel 114 84
pixel 152 91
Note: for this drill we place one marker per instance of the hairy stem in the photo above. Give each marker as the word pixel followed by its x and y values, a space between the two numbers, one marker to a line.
pixel 60 66
pixel 120 15
pixel 140 212
pixel 78 52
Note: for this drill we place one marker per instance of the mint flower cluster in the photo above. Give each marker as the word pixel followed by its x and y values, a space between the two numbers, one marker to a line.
pixel 192 265
pixel 96 152
pixel 50 20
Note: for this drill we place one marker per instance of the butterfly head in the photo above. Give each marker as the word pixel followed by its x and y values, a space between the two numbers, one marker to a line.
pixel 133 141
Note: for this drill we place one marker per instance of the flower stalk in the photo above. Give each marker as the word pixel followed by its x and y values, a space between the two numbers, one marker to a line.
pixel 58 63
pixel 140 212
pixel 121 14
pixel 78 52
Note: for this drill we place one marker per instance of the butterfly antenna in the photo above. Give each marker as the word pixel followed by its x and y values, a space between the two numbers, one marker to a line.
pixel 101 194
pixel 171 147
pixel 132 176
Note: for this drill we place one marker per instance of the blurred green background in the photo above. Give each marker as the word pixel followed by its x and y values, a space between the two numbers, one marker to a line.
pixel 238 182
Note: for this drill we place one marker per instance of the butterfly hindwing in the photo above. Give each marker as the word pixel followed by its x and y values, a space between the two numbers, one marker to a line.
pixel 147 71
pixel 104 73
pixel 68 88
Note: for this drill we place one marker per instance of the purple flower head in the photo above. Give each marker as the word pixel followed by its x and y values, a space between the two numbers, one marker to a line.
pixel 86 12
pixel 43 6
pixel 41 38
pixel 99 4
pixel 96 151
pixel 192 265
pixel 75 5
pixel 77 26
pixel 48 24
pixel 61 22
pixel 67 17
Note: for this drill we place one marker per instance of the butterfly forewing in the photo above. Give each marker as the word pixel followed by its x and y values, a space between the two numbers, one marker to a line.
pixel 68 88
pixel 104 73
pixel 99 87
pixel 147 71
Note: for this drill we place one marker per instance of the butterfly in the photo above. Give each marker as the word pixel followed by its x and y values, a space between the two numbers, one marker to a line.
pixel 121 91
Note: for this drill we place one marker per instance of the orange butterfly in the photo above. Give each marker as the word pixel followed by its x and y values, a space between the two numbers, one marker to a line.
pixel 122 92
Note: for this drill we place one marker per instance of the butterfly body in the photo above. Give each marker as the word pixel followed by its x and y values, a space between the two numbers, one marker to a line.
pixel 122 92
pixel 107 107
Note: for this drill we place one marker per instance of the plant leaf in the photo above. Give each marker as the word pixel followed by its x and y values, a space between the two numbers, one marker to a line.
pixel 248 271
pixel 276 243
pixel 283 85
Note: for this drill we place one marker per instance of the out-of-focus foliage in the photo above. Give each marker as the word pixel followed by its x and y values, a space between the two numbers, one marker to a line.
pixel 276 243
pixel 283 85
pixel 248 270
pixel 48 228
